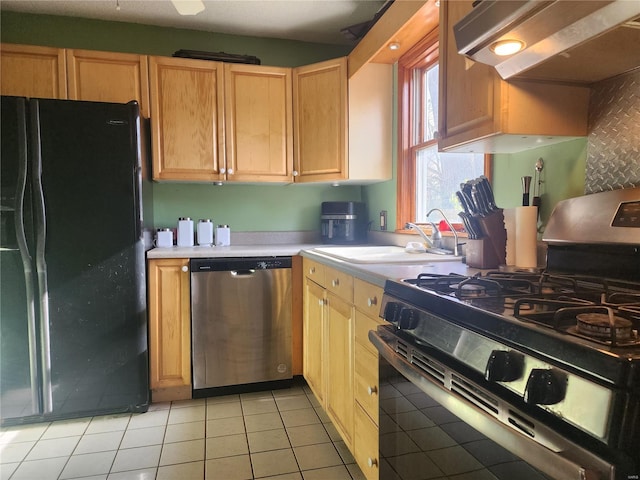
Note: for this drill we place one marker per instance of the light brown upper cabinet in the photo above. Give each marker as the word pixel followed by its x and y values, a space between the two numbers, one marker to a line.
pixel 258 123
pixel 320 128
pixel 108 77
pixel 187 119
pixel 342 128
pixel 31 71
pixel 480 112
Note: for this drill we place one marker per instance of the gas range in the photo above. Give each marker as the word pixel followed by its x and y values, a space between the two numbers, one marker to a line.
pixel 552 357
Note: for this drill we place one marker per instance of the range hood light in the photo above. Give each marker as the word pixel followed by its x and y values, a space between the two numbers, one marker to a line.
pixel 504 48
pixel 394 46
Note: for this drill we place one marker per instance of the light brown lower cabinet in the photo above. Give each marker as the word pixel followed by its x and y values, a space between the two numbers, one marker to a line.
pixel 366 444
pixel 340 364
pixel 169 307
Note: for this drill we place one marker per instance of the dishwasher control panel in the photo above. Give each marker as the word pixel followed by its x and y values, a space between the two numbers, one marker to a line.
pixel 238 263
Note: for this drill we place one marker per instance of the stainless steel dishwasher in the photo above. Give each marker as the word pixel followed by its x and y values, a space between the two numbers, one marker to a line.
pixel 241 321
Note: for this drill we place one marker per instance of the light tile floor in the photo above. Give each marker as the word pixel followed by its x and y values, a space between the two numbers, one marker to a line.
pixel 280 434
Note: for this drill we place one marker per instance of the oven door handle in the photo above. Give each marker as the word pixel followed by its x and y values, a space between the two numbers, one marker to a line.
pixel 557 464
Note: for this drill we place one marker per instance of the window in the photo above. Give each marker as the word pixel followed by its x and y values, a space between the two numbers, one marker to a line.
pixel 426 177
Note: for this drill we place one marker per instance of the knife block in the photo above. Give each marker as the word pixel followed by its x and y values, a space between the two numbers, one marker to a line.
pixel 481 254
pixel 490 250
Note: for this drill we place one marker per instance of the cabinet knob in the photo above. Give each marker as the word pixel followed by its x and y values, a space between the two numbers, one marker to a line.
pixel 335 282
pixel 185 268
pixel 320 302
pixel 312 270
pixel 230 171
pixel 372 462
pixel 295 173
pixel 372 390
pixel 223 170
pixel 372 301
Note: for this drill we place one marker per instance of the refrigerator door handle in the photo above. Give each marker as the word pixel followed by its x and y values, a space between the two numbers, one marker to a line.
pixel 41 265
pixel 27 260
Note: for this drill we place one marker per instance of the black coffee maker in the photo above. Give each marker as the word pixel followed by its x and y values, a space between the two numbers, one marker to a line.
pixel 344 223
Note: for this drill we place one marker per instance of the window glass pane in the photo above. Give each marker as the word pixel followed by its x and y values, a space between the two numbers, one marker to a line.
pixel 438 177
pixel 430 108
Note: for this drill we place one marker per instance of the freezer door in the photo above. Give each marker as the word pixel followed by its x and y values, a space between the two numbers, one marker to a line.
pixel 90 255
pixel 19 378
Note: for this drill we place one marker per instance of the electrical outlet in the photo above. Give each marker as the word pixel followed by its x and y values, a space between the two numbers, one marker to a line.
pixel 383 220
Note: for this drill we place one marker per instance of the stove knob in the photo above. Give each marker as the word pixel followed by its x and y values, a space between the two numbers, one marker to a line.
pixel 504 366
pixel 392 312
pixel 408 319
pixel 545 387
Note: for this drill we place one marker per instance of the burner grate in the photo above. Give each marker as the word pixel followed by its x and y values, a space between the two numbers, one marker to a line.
pixel 595 322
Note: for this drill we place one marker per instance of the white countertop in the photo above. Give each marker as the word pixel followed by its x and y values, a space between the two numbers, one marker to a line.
pixel 275 250
pixel 376 274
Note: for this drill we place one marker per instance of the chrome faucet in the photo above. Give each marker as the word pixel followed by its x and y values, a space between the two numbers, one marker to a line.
pixel 453 230
pixel 434 240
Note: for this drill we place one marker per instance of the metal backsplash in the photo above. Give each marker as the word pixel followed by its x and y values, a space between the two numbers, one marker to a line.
pixel 613 154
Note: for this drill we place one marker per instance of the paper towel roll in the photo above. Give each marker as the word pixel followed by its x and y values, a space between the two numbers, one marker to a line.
pixel 526 237
pixel 510 227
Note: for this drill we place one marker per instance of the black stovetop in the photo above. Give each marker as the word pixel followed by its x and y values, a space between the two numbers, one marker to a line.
pixel 521 310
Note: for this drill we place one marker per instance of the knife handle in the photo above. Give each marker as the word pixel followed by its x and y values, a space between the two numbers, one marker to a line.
pixel 463 202
pixel 525 199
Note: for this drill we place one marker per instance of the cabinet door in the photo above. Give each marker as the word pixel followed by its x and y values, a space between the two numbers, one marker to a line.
pixel 469 91
pixel 339 362
pixel 479 112
pixel 258 123
pixel 108 77
pixel 320 121
pixel 313 337
pixel 169 329
pixel 30 71
pixel 366 378
pixel 187 119
pixel 366 445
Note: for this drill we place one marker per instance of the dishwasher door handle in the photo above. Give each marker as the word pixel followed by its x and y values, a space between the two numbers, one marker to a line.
pixel 242 273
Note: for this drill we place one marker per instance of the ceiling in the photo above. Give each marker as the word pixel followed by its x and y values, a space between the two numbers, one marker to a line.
pixel 305 20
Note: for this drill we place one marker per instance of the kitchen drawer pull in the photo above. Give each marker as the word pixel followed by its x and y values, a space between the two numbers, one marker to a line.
pixel 335 282
pixel 372 301
pixel 372 390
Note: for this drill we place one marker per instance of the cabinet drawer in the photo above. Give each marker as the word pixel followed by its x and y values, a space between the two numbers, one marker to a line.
pixel 366 380
pixel 314 270
pixel 364 323
pixel 339 283
pixel 367 297
pixel 366 445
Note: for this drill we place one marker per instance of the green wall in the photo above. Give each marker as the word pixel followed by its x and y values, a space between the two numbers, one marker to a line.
pixel 277 207
pixel 563 175
pixel 66 32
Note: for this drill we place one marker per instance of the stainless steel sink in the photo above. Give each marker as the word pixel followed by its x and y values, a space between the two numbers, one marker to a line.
pixel 382 254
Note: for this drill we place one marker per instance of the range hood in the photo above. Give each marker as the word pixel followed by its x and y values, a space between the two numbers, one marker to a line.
pixel 564 40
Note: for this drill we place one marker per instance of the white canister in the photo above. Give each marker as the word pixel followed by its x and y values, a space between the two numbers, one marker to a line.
pixel 185 232
pixel 223 236
pixel 164 238
pixel 205 232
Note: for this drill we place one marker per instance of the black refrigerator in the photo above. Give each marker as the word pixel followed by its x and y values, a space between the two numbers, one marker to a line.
pixel 73 315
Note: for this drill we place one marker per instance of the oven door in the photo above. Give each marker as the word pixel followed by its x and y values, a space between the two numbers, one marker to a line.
pixel 436 423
